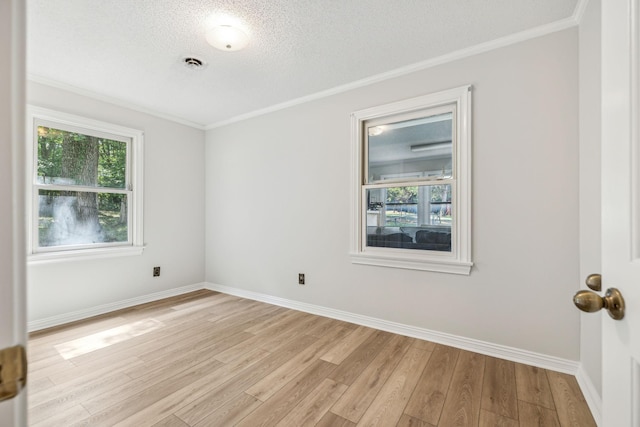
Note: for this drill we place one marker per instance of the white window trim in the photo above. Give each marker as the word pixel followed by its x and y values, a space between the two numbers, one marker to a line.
pixel 136 175
pixel 459 260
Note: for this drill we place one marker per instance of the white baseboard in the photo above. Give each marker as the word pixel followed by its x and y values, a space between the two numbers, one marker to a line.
pixel 49 322
pixel 591 395
pixel 477 346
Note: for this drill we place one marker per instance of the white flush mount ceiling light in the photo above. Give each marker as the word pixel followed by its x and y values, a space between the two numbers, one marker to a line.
pixel 375 131
pixel 227 38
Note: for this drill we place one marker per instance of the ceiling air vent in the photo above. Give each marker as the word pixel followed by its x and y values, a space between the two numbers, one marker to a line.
pixel 193 63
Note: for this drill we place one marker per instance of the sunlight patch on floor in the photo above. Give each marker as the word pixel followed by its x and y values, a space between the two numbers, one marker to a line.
pixel 106 338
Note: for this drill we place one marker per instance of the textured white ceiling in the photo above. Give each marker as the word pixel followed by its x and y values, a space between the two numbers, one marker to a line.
pixel 131 50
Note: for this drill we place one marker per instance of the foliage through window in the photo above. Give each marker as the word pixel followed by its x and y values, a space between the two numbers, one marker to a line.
pixel 84 195
pixel 413 183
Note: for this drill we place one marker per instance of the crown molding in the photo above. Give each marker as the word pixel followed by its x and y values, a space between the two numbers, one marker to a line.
pixel 115 101
pixel 512 39
pixel 578 12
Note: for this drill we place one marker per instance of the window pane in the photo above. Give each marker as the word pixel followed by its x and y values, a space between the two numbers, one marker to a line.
pixel 77 218
pixel 420 146
pixel 410 217
pixel 69 158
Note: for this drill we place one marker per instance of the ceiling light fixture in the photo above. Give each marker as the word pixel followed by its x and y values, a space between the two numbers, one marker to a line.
pixel 227 38
pixel 431 146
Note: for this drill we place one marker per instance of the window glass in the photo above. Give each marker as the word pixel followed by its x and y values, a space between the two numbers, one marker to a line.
pixel 72 158
pixel 422 145
pixel 67 218
pixel 410 217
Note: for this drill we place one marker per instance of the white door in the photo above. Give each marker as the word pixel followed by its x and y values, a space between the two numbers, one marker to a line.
pixel 12 264
pixel 621 211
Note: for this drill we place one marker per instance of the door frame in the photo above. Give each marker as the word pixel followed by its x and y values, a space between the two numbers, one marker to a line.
pixel 13 325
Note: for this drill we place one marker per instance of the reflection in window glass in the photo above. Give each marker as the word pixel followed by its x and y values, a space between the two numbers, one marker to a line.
pixel 422 145
pixel 69 218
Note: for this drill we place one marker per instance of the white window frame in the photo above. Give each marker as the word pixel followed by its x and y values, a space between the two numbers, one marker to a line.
pixel 37 116
pixel 458 261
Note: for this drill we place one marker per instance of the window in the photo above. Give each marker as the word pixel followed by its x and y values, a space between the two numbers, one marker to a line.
pixel 86 187
pixel 412 183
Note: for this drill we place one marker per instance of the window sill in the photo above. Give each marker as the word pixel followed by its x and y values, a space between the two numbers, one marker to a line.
pixel 83 254
pixel 412 263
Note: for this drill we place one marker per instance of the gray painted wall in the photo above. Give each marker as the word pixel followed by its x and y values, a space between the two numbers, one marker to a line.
pixel 277 203
pixel 173 217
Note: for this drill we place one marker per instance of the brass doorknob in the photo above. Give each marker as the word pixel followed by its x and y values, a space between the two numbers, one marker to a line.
pixel 591 302
pixel 594 282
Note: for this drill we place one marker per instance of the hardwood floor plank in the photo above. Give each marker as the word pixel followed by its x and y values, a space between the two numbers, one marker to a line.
pixel 535 416
pixel 47 363
pixel 332 420
pixel 80 391
pixel 51 369
pixel 284 324
pixel 296 327
pixel 154 341
pixel 208 403
pixel 114 395
pixel 239 349
pixel 428 398
pixel 355 401
pixel 231 412
pixel 63 417
pixel 499 388
pixel 314 406
pixel 40 384
pixel 490 419
pixel 173 402
pixel 176 361
pixel 281 403
pixel 570 404
pixel 242 313
pixel 270 384
pixel 409 421
pixel 208 335
pixel 424 345
pixel 324 325
pixel 77 374
pixel 462 405
pixel 145 398
pixel 69 331
pixel 277 319
pixel 171 421
pixel 347 345
pixel 533 386
pixel 388 406
pixel 360 358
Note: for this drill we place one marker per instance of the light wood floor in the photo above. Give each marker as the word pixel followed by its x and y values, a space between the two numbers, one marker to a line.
pixel 210 359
